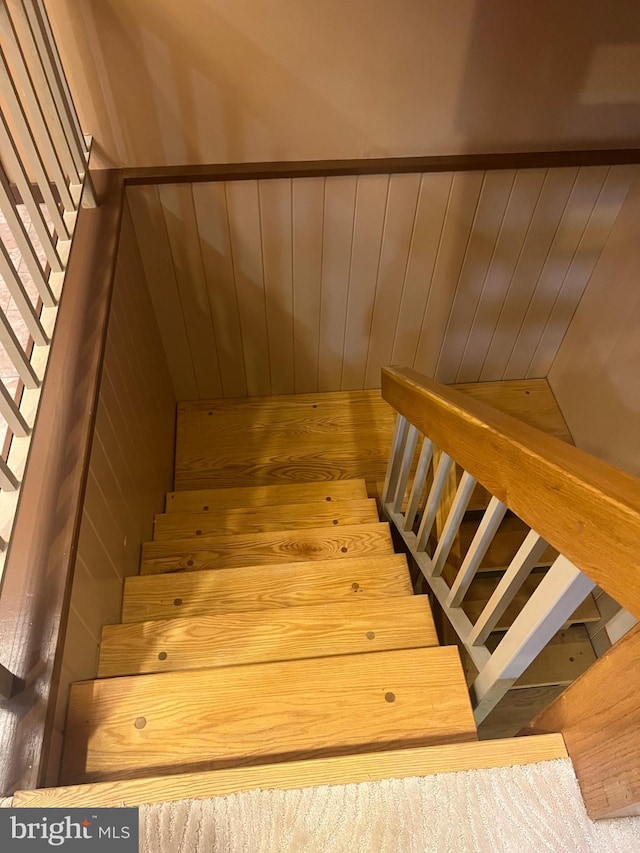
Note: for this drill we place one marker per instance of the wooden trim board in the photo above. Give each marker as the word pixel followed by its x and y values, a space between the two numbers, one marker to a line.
pixel 343 770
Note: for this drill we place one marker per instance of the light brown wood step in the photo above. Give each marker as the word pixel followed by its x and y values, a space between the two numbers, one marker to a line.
pixel 563 659
pixel 227 552
pixel 292 633
pixel 503 548
pixel 209 719
pixel 203 500
pixel 343 770
pixel 185 525
pixel 482 588
pixel 255 588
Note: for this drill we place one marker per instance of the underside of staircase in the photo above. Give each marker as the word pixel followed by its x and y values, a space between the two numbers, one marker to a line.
pixel 274 637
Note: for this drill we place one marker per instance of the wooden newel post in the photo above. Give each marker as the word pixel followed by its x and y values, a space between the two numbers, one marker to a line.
pixel 599 718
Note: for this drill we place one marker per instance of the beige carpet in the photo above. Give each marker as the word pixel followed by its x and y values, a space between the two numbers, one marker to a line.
pixel 526 809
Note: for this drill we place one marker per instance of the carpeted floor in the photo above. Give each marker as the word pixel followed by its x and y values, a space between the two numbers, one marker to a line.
pixel 527 809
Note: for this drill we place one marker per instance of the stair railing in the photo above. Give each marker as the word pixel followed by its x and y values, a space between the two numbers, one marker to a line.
pixel 585 509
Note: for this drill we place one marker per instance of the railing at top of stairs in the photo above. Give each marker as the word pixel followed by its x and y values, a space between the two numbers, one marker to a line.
pixel 584 508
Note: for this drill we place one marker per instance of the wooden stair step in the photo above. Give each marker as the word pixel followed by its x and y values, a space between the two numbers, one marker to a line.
pixel 203 500
pixel 227 552
pixel 503 548
pixel 341 770
pixel 339 628
pixel 209 719
pixel 482 589
pixel 184 525
pixel 254 588
pixel 563 659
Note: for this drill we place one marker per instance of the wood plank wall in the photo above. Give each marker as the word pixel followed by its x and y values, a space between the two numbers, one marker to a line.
pixel 312 284
pixel 130 470
pixel 596 373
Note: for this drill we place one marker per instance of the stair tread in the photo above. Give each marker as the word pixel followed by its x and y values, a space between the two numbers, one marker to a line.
pixel 568 654
pixel 503 548
pixel 220 552
pixel 248 496
pixel 210 719
pixel 337 628
pixel 274 440
pixel 482 588
pixel 253 588
pixel 238 520
pixel 341 770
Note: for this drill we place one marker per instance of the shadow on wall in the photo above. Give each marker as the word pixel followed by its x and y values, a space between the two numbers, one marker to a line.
pixel 575 69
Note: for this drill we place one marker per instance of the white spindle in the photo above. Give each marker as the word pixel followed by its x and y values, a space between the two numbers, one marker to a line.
pixel 8 480
pixel 560 592
pixel 452 524
pixel 61 79
pixel 17 354
pixel 433 501
pixel 518 571
pixel 418 483
pixel 30 147
pixel 491 521
pixel 405 468
pixel 395 460
pixel 11 413
pixel 17 171
pixel 16 289
pixel 23 242
pixel 34 51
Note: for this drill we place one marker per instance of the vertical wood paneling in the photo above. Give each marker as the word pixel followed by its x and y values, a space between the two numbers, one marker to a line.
pixel 314 283
pixel 398 231
pixel 184 242
pixel 458 224
pixel 472 282
pixel 337 238
pixel 308 215
pixel 566 241
pixel 433 202
pixel 596 372
pixel 370 211
pixel 246 253
pixel 594 238
pixel 151 234
pixel 131 465
pixel 539 236
pixel 509 245
pixel 277 253
pixel 213 228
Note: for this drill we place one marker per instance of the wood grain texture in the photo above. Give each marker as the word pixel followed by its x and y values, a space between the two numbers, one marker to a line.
pixel 343 770
pixel 35 583
pixel 583 507
pixel 178 525
pixel 503 547
pixel 259 588
pixel 483 588
pixel 204 500
pixel 601 734
pixel 291 633
pixel 229 552
pixel 299 711
pixel 460 274
pixel 283 440
pixel 595 372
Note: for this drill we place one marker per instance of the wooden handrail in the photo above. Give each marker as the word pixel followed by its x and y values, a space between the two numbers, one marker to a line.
pixel 585 508
pixel 36 585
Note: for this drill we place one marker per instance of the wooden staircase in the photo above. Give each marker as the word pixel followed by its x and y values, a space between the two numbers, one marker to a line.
pixel 272 639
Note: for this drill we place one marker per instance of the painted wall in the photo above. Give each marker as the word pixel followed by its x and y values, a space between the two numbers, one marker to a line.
pixel 596 373
pixel 166 82
pixel 130 470
pixel 303 285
